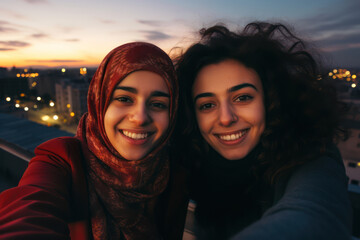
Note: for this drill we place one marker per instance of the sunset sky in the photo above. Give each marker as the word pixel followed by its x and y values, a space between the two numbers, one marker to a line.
pixel 79 33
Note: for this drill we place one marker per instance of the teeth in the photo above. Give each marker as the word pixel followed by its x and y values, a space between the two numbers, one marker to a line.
pixel 135 136
pixel 233 136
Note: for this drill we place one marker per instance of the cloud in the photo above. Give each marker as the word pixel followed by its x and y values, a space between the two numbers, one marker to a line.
pixel 36 1
pixel 336 30
pixel 39 35
pixel 339 41
pixel 72 40
pixel 14 43
pixel 155 35
pixel 57 61
pixel 152 23
pixel 4 27
pixel 6 49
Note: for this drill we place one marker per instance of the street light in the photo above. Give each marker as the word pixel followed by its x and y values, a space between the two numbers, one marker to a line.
pixel 17 105
pixel 26 109
pixel 8 99
pixel 38 98
pixel 51 104
pixel 55 117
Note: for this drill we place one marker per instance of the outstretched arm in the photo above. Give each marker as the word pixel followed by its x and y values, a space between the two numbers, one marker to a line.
pixel 315 206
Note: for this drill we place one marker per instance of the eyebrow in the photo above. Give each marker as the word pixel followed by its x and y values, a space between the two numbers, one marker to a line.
pixel 135 91
pixel 232 89
pixel 240 86
pixel 128 89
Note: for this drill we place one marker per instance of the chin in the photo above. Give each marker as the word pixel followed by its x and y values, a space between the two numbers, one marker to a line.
pixel 232 155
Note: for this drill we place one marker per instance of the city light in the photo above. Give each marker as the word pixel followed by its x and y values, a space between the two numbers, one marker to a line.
pixel 83 71
pixel 8 99
pixel 68 105
pixel 63 70
pixel 17 105
pixel 51 104
pixel 22 94
pixel 330 74
pixel 38 98
pixel 55 117
pixel 353 85
pixel 35 106
pixel 45 118
pixel 353 76
pixel 72 114
pixel 335 70
pixel 26 109
pixel 18 75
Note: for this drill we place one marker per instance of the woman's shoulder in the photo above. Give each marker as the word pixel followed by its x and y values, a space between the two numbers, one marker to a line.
pixel 66 149
pixel 58 144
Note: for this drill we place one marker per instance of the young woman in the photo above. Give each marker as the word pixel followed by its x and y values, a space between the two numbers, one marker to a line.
pixel 114 180
pixel 257 131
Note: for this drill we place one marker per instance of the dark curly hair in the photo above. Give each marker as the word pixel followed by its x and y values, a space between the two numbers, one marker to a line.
pixel 302 111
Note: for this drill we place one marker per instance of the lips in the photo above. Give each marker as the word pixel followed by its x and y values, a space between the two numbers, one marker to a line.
pixel 136 137
pixel 232 137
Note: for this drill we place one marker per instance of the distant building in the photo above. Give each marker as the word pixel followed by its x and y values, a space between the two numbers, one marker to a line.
pixel 71 97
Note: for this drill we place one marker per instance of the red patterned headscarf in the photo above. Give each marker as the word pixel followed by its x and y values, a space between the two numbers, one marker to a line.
pixel 122 193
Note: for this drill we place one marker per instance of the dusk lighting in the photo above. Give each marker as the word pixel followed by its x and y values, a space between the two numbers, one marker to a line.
pixel 63 70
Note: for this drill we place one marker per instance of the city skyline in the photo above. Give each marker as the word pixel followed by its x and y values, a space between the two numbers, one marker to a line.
pixel 49 33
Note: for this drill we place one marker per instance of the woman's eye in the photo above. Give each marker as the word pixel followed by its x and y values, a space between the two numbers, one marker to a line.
pixel 159 105
pixel 124 99
pixel 243 98
pixel 206 106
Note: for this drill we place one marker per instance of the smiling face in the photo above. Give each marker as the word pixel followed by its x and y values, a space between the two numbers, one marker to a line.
pixel 138 114
pixel 229 107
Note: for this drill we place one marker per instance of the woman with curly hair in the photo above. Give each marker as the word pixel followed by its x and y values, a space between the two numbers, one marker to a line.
pixel 257 131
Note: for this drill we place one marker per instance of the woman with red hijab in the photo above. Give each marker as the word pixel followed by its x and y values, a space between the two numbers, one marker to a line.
pixel 114 179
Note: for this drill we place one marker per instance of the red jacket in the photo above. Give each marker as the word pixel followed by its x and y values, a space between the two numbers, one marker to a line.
pixel 51 200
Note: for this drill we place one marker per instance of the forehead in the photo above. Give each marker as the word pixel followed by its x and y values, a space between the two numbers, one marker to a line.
pixel 224 75
pixel 145 81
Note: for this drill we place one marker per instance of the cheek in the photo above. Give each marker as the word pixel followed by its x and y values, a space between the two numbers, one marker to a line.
pixel 259 117
pixel 203 122
pixel 162 120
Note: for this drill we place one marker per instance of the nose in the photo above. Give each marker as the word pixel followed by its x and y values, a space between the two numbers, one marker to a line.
pixel 227 116
pixel 140 115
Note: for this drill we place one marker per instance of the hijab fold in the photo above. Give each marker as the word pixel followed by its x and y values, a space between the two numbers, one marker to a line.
pixel 123 193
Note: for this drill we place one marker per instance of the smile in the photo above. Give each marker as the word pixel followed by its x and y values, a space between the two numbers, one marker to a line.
pixel 134 135
pixel 234 136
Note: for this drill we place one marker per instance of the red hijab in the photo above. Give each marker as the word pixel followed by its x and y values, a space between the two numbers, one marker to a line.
pixel 122 193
